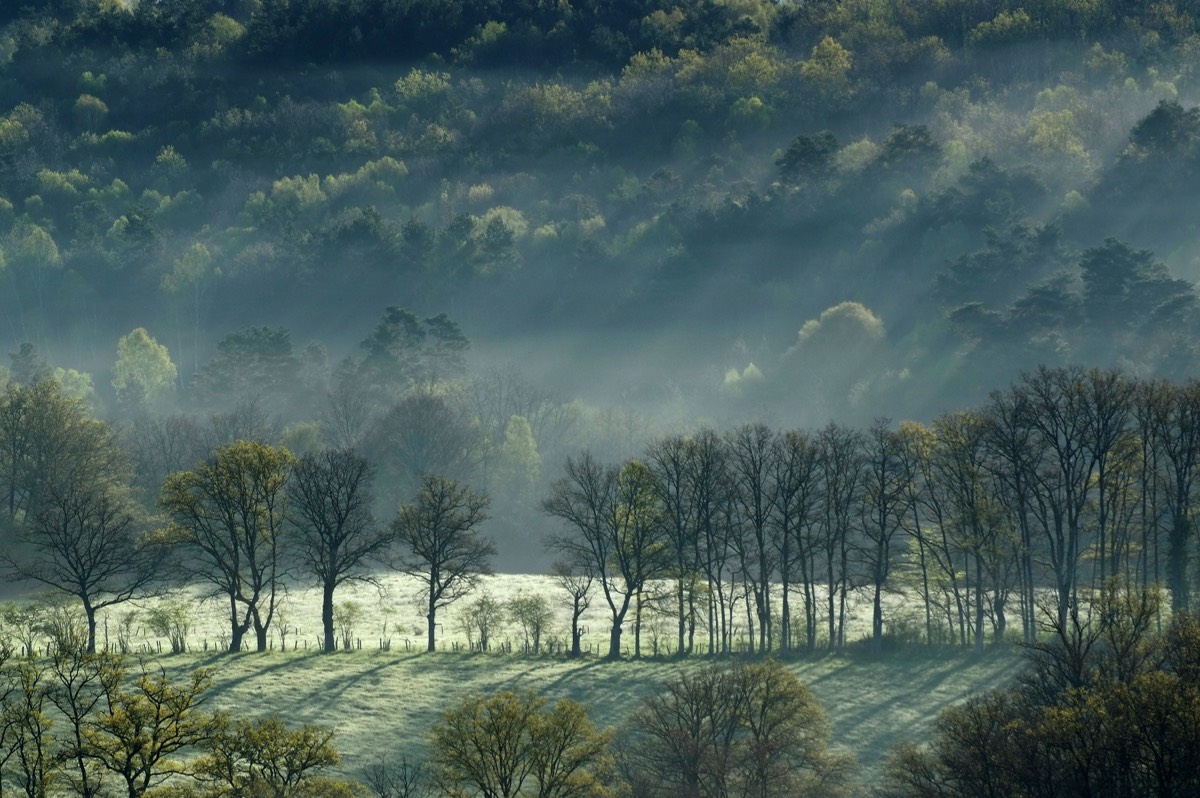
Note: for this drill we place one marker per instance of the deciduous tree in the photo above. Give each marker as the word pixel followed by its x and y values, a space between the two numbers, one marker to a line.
pixel 750 729
pixel 85 541
pixel 334 530
pixel 440 546
pixel 509 744
pixel 144 374
pixel 228 514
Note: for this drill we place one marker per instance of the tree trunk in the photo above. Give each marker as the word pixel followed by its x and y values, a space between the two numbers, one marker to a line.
pixel 637 625
pixel 614 640
pixel 90 613
pixel 576 648
pixel 431 622
pixel 237 629
pixel 327 618
pixel 832 599
pixel 679 598
pixel 1001 620
pixel 877 619
pixel 881 554
pixel 1178 562
pixel 978 604
pixel 785 618
pixel 260 634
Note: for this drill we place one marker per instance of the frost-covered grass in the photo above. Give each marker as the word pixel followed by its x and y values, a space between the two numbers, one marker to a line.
pixel 381 703
pixel 391 609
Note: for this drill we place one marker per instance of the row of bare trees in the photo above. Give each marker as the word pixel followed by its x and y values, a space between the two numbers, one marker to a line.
pixel 241 520
pixel 1063 480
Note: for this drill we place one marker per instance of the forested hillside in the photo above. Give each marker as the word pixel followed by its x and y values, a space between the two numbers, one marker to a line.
pixel 633 201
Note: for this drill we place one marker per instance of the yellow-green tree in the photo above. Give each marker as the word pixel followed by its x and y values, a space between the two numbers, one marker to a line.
pixel 828 70
pixel 189 283
pixel 144 376
pixel 509 744
pixel 751 729
pixel 228 516
pixel 265 759
pixel 144 728
pixel 520 464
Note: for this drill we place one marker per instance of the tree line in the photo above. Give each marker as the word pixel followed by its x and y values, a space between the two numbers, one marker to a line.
pixel 239 521
pixel 1065 479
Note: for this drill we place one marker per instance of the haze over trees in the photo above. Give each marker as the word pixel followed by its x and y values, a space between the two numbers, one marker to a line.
pixel 741 312
pixel 744 188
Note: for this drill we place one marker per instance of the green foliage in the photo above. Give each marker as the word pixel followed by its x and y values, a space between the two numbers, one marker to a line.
pixel 265 757
pixel 751 728
pixel 510 744
pixel 228 513
pixel 144 376
pixel 1108 707
pixel 251 362
pixel 519 465
pixel 828 70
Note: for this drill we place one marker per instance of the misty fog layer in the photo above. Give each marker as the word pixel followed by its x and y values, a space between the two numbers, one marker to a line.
pixel 639 218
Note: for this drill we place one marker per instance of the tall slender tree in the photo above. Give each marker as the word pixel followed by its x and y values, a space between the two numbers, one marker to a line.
pixel 334 531
pixel 440 546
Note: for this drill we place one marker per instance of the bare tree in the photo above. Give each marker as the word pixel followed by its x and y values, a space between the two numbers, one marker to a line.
pixel 709 486
pixel 346 414
pixel 841 452
pixel 668 460
pixel 615 529
pixel 335 533
pixel 245 421
pixel 1108 404
pixel 162 445
pixel 403 779
pixel 883 510
pixel 796 477
pixel 440 546
pixel 424 433
pixel 577 580
pixel 1059 415
pixel 751 448
pixel 83 541
pixel 1175 424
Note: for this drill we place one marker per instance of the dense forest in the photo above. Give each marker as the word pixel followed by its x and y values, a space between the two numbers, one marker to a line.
pixel 657 204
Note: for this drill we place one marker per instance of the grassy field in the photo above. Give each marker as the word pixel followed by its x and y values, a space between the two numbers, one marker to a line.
pixel 381 703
